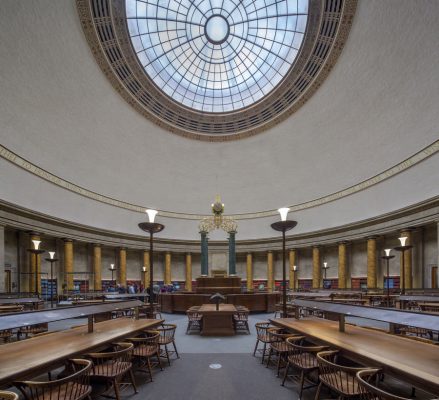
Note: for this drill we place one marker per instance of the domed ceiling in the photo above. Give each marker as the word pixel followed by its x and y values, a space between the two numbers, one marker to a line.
pixel 364 144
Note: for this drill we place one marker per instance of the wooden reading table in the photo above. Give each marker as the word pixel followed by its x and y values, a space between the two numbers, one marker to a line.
pixel 416 362
pixel 31 357
pixel 217 322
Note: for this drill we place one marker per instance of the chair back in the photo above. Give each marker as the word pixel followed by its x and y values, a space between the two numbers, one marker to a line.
pixel 113 363
pixel 150 341
pixel 241 316
pixel 167 333
pixel 193 316
pixel 262 330
pixel 303 357
pixel 371 392
pixel 5 395
pixel 340 378
pixel 72 387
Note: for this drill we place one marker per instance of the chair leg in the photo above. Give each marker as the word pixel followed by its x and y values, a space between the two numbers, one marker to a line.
pixel 317 396
pixel 256 347
pixel 263 352
pixel 149 369
pixel 116 389
pixel 279 357
pixel 167 354
pixel 160 361
pixel 269 356
pixel 285 374
pixel 302 381
pixel 133 381
pixel 175 348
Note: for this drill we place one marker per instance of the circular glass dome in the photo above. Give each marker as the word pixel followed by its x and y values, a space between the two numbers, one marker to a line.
pixel 217 55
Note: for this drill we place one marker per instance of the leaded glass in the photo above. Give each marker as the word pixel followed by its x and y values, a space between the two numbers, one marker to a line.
pixel 217 55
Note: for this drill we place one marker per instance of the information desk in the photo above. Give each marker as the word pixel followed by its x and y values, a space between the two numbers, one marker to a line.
pixel 416 362
pixel 255 302
pixel 217 322
pixel 31 357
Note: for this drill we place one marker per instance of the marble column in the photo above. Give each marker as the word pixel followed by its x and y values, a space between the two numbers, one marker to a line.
pixel 122 272
pixel 167 279
pixel 232 253
pixel 97 266
pixel 68 264
pixel 293 262
pixel 204 254
pixel 188 282
pixel 407 259
pixel 371 262
pixel 2 259
pixel 146 273
pixel 316 267
pixel 249 260
pixel 342 265
pixel 270 271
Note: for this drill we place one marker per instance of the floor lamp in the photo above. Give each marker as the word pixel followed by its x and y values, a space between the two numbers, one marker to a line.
pixel 112 269
pixel 35 251
pixel 151 227
pixel 403 248
pixel 325 268
pixel 294 277
pixel 387 257
pixel 51 259
pixel 282 226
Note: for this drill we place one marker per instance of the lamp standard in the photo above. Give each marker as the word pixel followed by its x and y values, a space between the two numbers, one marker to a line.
pixel 151 227
pixel 325 269
pixel 35 251
pixel 387 257
pixel 112 269
pixel 51 259
pixel 403 248
pixel 284 225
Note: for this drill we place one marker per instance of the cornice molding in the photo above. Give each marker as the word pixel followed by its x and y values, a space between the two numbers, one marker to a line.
pixel 420 214
pixel 28 166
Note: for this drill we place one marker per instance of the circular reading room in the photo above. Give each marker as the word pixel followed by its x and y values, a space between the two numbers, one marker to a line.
pixel 219 199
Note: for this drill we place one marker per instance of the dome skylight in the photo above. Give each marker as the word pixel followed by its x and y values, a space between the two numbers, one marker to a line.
pixel 217 55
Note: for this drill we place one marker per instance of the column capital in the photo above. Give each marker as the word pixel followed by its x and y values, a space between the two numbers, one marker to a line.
pixel 407 230
pixel 372 237
pixel 67 240
pixel 345 242
pixel 96 245
pixel 122 248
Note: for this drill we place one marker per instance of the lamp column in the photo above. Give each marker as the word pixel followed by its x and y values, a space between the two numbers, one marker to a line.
pixel 270 271
pixel 232 253
pixel 371 262
pixel 387 257
pixel 403 248
pixel 342 265
pixel 97 267
pixel 167 278
pixel 204 254
pixel 68 263
pixel 35 268
pixel 188 283
pixel 145 275
pixel 249 262
pixel 316 273
pixel 292 275
pixel 2 259
pixel 408 258
pixel 52 260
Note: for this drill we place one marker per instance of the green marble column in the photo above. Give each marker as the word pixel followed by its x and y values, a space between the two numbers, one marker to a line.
pixel 232 253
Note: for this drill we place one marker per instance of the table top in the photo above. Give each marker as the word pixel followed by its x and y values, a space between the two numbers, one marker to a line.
pixel 424 298
pixel 402 357
pixel 20 300
pixel 25 358
pixel 223 308
pixel 392 316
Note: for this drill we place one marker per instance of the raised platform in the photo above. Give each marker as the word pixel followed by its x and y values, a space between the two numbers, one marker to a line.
pixel 255 302
pixel 219 284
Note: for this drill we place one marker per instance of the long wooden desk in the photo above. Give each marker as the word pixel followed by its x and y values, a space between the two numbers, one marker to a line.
pixel 33 356
pixel 416 362
pixel 217 322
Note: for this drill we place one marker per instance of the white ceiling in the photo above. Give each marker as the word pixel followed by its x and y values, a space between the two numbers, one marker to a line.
pixel 377 107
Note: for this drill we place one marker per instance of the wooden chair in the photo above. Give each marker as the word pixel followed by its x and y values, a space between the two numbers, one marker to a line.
pixel 277 310
pixel 262 336
pixel 72 387
pixel 111 367
pixel 145 348
pixel 240 321
pixel 303 358
pixel 6 335
pixel 278 346
pixel 338 378
pixel 5 395
pixel 371 392
pixel 167 336
pixel 194 321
